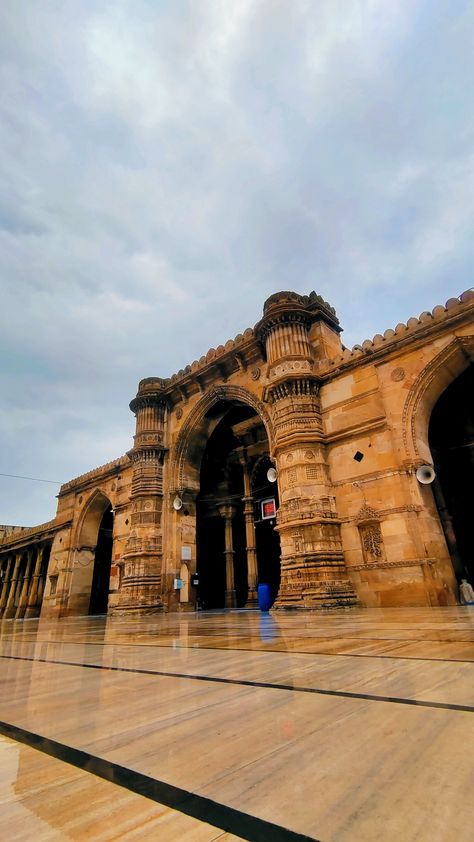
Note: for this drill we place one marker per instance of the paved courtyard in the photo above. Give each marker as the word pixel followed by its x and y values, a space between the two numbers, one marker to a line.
pixel 347 726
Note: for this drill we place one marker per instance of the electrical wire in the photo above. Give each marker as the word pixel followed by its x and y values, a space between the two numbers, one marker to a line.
pixel 33 479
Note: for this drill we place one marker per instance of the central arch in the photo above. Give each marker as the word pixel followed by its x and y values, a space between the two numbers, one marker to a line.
pixel 195 430
pixel 220 465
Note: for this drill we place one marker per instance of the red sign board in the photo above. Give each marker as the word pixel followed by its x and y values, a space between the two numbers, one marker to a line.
pixel 268 508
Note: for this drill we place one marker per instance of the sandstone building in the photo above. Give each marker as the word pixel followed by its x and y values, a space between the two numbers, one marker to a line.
pixel 193 513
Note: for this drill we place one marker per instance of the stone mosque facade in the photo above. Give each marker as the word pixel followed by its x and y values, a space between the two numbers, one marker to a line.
pixel 339 477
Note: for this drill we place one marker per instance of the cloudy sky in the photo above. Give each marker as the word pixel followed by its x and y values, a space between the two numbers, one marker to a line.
pixel 166 165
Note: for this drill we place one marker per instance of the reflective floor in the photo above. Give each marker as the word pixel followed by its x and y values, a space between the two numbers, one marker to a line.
pixel 352 725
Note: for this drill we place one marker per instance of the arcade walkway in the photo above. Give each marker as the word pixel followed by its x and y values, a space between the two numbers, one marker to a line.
pixel 351 726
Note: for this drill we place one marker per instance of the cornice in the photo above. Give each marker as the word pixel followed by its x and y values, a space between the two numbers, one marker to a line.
pixel 219 364
pixel 454 312
pixel 33 534
pixel 378 565
pixel 109 469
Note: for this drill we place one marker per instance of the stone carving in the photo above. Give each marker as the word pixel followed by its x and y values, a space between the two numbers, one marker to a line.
pixel 292 476
pixel 372 541
pixel 398 374
pixel 366 513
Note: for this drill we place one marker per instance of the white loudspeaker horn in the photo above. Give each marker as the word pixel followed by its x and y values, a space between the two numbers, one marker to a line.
pixel 425 474
pixel 271 475
pixel 177 503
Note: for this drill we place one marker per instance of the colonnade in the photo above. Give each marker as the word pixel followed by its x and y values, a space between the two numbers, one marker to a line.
pixel 228 509
pixel 23 577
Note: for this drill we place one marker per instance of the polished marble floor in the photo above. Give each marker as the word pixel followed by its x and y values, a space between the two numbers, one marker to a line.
pixel 347 726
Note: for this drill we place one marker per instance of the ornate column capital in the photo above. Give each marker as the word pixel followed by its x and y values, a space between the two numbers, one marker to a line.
pixel 227 509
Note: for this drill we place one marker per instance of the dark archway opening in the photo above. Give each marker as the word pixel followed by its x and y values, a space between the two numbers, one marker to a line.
pixel 102 562
pixel 267 538
pixel 451 439
pixel 238 445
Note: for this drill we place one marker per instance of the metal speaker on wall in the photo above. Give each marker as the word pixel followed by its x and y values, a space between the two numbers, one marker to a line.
pixel 177 503
pixel 271 475
pixel 425 474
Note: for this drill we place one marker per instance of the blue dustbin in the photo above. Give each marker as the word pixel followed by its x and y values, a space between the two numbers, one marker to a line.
pixel 265 597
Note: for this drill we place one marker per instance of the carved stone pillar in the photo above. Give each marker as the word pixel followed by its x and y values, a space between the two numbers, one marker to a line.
pixel 10 603
pixel 32 608
pixel 142 560
pixel 6 584
pixel 313 572
pixel 227 511
pixel 252 569
pixel 23 599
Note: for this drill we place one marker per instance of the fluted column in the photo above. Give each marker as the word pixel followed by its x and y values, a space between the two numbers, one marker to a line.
pixel 32 607
pixel 6 584
pixel 142 560
pixel 10 603
pixel 227 511
pixel 23 599
pixel 313 572
pixel 251 549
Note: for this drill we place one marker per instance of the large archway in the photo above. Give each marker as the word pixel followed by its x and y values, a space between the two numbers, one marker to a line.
pixel 224 468
pixel 92 558
pixel 451 439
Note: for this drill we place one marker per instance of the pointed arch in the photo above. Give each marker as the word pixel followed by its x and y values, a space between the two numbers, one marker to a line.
pixel 90 518
pixel 431 382
pixel 194 430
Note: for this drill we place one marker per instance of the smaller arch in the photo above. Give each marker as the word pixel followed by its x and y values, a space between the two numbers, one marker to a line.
pixel 90 518
pixel 431 382
pixel 91 557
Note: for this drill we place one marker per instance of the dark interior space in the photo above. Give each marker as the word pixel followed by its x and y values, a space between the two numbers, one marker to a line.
pixel 451 438
pixel 102 562
pixel 239 431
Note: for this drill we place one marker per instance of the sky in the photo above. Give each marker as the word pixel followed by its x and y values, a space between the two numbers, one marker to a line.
pixel 166 165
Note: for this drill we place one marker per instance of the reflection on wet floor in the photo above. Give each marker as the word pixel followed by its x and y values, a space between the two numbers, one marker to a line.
pixel 250 713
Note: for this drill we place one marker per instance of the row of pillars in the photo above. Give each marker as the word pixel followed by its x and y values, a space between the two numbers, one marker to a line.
pixel 227 510
pixel 23 581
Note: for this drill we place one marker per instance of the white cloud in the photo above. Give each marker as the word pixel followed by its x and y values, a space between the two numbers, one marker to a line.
pixel 165 167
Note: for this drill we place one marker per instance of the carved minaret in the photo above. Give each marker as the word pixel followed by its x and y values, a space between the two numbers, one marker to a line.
pixel 142 560
pixel 296 331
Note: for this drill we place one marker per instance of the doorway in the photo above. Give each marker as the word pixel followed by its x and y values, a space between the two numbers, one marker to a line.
pixel 102 563
pixel 232 536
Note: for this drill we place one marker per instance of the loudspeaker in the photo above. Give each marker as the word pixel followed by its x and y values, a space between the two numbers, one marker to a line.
pixel 425 474
pixel 271 475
